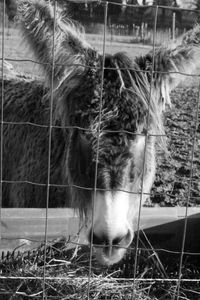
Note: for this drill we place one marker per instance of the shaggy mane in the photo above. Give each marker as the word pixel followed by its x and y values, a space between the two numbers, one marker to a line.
pixel 136 82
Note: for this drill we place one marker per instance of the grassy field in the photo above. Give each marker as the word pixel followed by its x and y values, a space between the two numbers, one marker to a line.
pixel 15 48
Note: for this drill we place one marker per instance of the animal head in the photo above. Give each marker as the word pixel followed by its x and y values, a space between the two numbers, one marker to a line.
pixel 113 107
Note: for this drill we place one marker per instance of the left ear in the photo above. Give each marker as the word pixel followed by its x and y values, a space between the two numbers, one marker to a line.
pixel 170 64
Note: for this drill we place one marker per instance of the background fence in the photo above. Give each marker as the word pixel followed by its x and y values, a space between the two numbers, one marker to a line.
pixel 53 271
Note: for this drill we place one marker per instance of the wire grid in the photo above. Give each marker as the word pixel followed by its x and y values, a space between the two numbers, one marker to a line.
pixel 145 151
pixel 2 102
pixel 50 126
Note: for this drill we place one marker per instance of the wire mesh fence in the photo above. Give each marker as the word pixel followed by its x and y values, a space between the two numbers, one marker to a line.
pixel 55 272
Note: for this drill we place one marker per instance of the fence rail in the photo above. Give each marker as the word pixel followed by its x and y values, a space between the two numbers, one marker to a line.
pixel 26 226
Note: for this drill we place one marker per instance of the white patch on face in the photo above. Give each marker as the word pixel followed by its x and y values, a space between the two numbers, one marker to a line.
pixel 111 214
pixel 111 229
pixel 148 168
pixel 115 212
pixel 165 91
pixel 138 151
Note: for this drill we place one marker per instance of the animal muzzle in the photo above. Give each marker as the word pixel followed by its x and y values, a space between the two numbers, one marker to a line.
pixel 110 249
pixel 112 231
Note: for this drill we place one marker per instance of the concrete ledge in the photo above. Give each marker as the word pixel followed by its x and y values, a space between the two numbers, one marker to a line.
pixel 163 226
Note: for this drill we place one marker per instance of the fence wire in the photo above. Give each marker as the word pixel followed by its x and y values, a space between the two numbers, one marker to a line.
pixel 50 126
pixel 145 150
pixel 49 147
pixel 98 143
pixel 2 102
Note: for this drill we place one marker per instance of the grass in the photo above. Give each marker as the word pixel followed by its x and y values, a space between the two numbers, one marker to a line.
pixel 67 276
pixel 16 48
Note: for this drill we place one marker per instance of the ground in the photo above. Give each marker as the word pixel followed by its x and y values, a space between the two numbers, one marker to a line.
pixel 178 174
pixel 69 276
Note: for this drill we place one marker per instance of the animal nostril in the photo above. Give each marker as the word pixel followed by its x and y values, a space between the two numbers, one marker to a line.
pixel 123 240
pixel 98 240
pixel 117 240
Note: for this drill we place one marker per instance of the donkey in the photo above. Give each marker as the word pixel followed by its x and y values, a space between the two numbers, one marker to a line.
pixel 107 116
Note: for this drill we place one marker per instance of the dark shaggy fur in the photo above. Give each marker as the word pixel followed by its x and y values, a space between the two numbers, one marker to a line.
pixel 25 155
pixel 73 150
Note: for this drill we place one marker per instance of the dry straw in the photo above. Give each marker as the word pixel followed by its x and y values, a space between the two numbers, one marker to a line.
pixel 67 276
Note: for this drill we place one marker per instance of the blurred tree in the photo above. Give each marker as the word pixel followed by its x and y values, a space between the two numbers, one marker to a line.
pixel 197 4
pixel 89 12
pixel 191 4
pixel 197 7
pixel 11 9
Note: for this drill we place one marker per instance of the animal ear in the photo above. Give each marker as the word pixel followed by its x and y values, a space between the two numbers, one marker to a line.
pixel 54 39
pixel 170 64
